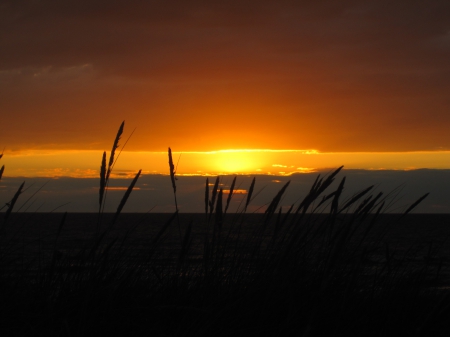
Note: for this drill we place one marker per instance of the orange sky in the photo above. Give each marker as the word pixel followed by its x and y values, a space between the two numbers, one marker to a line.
pixel 333 76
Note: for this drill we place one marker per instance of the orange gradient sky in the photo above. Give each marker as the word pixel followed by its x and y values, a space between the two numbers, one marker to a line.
pixel 364 83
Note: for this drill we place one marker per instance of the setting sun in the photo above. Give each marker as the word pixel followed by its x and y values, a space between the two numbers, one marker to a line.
pixel 236 161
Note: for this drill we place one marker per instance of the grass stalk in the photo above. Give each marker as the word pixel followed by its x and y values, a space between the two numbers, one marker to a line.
pixel 213 196
pixel 415 204
pixel 102 181
pixel 174 187
pixel 250 193
pixel 126 196
pixel 13 201
pixel 113 151
pixel 104 177
pixel 230 195
pixel 206 197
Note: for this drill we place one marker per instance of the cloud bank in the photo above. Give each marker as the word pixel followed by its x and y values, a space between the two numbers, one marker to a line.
pixel 154 192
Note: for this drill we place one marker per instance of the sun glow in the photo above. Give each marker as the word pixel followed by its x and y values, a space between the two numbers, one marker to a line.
pixel 257 161
pixel 245 161
pixel 233 162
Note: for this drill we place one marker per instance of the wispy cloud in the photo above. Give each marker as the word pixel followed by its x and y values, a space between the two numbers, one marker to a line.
pixel 236 191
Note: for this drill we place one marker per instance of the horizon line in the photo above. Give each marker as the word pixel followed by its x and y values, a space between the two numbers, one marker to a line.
pixel 130 174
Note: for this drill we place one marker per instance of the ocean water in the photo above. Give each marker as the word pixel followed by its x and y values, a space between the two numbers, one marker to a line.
pixel 418 229
pixel 27 237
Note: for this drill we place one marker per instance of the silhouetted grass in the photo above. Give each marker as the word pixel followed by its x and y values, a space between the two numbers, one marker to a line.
pixel 322 268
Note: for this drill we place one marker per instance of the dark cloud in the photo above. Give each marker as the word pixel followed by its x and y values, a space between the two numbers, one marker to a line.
pixel 401 188
pixel 42 33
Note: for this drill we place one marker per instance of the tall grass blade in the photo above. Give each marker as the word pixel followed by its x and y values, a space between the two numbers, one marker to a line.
pixel 102 181
pixel 250 192
pixel 414 205
pixel 120 152
pixel 113 150
pixel 276 200
pixel 206 196
pixel 174 187
pixel 335 202
pixel 185 245
pixel 356 198
pixel 31 196
pixel 1 171
pixel 316 183
pixel 305 201
pixel 318 187
pixel 13 201
pixel 369 207
pixel 327 182
pixel 172 172
pixel 326 198
pixel 230 194
pixel 286 216
pixel 219 212
pixel 213 196
pixel 363 204
pixel 126 196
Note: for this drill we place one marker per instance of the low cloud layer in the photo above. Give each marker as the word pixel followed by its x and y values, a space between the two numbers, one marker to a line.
pixel 155 193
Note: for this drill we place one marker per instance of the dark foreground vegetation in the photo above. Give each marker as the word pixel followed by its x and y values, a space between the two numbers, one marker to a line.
pixel 322 267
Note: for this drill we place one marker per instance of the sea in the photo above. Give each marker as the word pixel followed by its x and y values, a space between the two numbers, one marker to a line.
pixel 416 237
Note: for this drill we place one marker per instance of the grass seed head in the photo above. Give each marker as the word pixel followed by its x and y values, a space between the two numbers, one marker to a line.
pixel 172 171
pixel 113 150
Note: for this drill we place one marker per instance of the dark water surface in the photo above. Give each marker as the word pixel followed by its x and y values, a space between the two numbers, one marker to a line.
pixel 414 229
pixel 418 228
pixel 416 237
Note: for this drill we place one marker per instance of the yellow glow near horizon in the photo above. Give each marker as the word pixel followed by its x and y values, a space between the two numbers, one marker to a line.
pixel 258 161
pixel 234 162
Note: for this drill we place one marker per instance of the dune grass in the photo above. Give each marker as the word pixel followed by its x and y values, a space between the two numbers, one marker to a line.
pixel 320 268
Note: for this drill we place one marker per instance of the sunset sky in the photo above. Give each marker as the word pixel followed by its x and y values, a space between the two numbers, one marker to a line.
pixel 299 85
